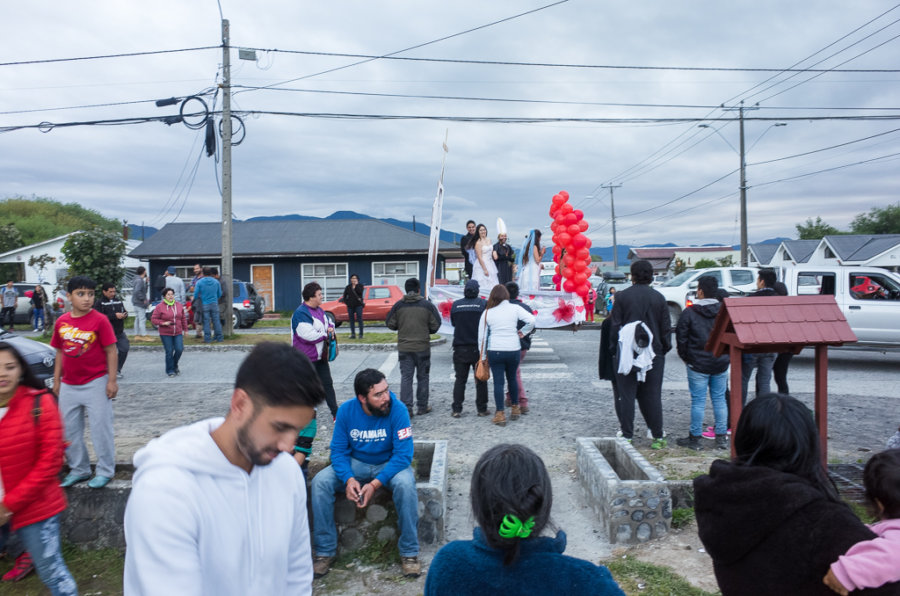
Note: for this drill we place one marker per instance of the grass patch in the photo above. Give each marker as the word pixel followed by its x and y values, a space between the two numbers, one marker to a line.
pixel 636 577
pixel 682 517
pixel 862 512
pixel 273 323
pixel 95 572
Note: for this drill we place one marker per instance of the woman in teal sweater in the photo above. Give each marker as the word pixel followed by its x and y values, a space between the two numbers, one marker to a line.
pixel 511 500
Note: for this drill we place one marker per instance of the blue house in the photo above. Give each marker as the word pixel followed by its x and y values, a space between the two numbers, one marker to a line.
pixel 280 256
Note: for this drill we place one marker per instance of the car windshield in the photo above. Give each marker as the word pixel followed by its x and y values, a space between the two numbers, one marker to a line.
pixel 679 279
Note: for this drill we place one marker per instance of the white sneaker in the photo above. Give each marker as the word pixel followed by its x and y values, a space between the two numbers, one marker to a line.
pixel 650 434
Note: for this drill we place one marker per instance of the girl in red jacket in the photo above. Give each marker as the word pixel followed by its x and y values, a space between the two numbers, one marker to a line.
pixel 31 455
pixel 169 317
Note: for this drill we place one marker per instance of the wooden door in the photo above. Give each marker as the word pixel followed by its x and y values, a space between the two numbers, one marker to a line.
pixel 262 278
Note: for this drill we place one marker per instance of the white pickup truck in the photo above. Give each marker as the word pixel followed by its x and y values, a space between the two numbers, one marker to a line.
pixel 869 297
pixel 737 280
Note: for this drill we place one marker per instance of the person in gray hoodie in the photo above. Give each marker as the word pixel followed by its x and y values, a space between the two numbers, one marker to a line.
pixel 705 371
pixel 414 318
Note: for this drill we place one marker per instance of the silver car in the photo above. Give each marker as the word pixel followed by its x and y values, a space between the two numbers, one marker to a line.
pixel 39 357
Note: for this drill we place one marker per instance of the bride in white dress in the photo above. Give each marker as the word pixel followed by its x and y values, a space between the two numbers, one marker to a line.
pixel 484 270
pixel 528 262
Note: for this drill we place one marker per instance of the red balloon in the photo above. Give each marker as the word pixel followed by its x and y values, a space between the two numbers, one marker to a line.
pixel 569 219
pixel 564 239
pixel 566 208
pixel 580 278
pixel 587 242
pixel 558 199
pixel 569 285
pixel 573 230
pixel 556 258
pixel 564 194
pixel 582 290
pixel 579 265
pixel 578 240
pixel 569 259
pixel 557 249
pixel 578 213
pixel 583 225
pixel 560 218
pixel 557 278
pixel 582 254
pixel 553 226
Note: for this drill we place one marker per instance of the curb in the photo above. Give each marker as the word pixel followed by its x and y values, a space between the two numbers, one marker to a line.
pixel 389 347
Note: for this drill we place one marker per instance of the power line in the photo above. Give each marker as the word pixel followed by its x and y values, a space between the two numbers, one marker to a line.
pixel 427 43
pixel 881 134
pixel 856 163
pixel 104 56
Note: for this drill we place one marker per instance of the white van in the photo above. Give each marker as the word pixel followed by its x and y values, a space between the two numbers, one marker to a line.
pixel 869 297
pixel 737 280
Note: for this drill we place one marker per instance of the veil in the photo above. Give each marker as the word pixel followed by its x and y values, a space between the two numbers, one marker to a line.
pixel 526 250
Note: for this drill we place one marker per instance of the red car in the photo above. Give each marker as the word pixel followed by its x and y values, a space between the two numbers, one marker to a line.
pixel 378 303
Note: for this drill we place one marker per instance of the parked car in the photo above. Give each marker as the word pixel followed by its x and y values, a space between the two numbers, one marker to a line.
pixel 869 298
pixel 39 357
pixel 609 279
pixel 24 310
pixel 378 302
pixel 247 306
pixel 734 279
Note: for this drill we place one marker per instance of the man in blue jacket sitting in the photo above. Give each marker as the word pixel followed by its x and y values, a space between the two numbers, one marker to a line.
pixel 371 447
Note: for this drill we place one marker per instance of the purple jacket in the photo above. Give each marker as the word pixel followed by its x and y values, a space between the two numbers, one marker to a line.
pixel 309 328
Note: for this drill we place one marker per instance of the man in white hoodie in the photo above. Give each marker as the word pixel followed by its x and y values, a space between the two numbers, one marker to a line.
pixel 219 507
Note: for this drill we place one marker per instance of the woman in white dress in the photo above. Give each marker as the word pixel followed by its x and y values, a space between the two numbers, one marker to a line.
pixel 528 262
pixel 484 270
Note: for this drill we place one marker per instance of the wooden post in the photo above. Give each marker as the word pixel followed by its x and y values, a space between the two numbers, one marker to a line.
pixel 735 354
pixel 821 403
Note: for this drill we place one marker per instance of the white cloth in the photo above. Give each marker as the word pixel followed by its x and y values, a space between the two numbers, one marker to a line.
pixel 530 276
pixel 487 282
pixel 197 524
pixel 632 356
pixel 503 322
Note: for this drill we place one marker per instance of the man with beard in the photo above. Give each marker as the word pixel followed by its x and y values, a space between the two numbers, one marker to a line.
pixel 219 507
pixel 371 447
pixel 464 246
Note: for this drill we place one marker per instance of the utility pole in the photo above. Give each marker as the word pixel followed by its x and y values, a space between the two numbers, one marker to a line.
pixel 744 250
pixel 612 208
pixel 227 270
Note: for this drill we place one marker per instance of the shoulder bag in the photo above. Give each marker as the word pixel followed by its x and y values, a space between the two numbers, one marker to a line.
pixel 483 369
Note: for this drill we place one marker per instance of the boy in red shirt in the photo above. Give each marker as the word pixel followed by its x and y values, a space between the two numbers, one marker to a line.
pixel 84 378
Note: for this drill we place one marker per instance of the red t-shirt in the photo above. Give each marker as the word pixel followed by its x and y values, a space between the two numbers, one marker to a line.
pixel 81 341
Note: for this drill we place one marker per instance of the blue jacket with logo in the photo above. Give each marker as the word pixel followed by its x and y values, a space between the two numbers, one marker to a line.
pixel 371 439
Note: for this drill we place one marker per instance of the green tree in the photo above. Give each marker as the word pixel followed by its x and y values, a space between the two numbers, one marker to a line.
pixel 39 264
pixel 705 264
pixel 96 253
pixel 815 230
pixel 726 261
pixel 679 267
pixel 877 221
pixel 10 239
pixel 39 219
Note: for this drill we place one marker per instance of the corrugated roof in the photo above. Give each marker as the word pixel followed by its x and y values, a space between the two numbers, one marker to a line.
pixel 653 253
pixel 861 247
pixel 287 238
pixel 776 323
pixel 764 252
pixel 801 250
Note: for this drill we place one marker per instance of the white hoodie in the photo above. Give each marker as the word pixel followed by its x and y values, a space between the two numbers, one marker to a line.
pixel 197 524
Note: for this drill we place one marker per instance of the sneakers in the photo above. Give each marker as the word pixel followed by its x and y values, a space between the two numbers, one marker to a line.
pixel 72 479
pixel 514 413
pixel 499 418
pixel 99 481
pixel 722 442
pixel 660 443
pixel 410 566
pixel 691 442
pixel 455 414
pixel 321 566
pixel 420 411
pixel 24 565
pixel 710 432
pixel 119 375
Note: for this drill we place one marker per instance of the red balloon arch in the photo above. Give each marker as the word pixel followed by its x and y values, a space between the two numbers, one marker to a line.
pixel 571 248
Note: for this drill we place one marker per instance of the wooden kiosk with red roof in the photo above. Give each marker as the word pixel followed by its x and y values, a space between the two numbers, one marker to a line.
pixel 780 324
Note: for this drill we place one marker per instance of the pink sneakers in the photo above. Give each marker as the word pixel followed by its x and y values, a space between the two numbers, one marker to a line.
pixel 710 432
pixel 24 565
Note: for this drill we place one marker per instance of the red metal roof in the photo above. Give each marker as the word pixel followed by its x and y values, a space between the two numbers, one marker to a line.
pixel 779 323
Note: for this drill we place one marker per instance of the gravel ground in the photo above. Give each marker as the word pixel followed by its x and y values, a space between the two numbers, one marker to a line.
pixel 566 401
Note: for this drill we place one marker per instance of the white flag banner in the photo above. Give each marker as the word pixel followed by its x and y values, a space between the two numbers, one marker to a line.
pixel 434 238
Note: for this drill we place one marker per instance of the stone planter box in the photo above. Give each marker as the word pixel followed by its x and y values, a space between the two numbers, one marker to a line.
pixel 378 521
pixel 629 496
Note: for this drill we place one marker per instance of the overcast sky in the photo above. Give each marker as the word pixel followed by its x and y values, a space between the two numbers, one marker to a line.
pixel 389 167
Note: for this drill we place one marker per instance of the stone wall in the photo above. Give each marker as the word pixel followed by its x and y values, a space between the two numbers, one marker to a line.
pixel 629 496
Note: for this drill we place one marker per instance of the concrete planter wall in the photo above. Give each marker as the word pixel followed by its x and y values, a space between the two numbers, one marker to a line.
pixel 629 496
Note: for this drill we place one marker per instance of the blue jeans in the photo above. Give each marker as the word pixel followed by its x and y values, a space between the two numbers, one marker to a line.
pixel 173 346
pixel 504 363
pixel 402 486
pixel 698 383
pixel 211 315
pixel 355 313
pixel 41 540
pixel 763 363
pixel 39 316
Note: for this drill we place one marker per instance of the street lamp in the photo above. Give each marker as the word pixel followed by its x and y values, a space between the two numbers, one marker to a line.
pixel 743 187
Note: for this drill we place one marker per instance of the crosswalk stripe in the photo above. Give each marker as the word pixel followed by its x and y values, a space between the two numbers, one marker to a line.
pixel 389 364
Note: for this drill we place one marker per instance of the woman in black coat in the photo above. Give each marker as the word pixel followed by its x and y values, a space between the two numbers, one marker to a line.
pixel 771 519
pixel 353 300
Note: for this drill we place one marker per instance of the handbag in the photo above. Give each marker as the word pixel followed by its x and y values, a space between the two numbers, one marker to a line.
pixel 332 348
pixel 483 369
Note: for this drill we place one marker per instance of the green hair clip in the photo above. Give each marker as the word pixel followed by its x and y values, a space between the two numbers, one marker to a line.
pixel 512 527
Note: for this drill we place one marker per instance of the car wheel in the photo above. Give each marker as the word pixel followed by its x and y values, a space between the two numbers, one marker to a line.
pixel 674 315
pixel 236 319
pixel 331 320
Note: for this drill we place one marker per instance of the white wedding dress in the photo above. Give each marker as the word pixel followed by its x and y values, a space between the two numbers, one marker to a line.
pixel 486 282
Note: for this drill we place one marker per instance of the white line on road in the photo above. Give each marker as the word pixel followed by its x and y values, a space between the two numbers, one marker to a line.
pixel 389 364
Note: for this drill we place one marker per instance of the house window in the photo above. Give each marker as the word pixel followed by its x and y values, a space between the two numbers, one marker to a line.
pixel 331 276
pixel 829 254
pixel 394 272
